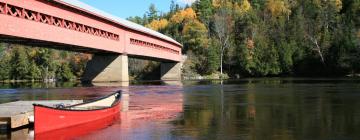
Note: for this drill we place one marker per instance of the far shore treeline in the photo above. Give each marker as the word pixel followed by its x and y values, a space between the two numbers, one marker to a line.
pixel 20 63
pixel 239 38
pixel 264 37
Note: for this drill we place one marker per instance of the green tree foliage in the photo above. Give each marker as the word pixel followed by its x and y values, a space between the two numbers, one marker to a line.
pixel 152 14
pixel 5 67
pixel 195 36
pixel 18 62
pixel 34 71
pixel 213 57
pixel 267 37
pixel 204 10
pixel 64 72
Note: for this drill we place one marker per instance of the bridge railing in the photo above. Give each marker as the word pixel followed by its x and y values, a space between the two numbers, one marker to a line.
pixel 152 45
pixel 23 13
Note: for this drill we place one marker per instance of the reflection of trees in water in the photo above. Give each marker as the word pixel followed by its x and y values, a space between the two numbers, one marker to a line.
pixel 270 111
pixel 15 85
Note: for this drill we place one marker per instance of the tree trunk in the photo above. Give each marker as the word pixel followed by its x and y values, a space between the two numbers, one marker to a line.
pixel 318 49
pixel 221 63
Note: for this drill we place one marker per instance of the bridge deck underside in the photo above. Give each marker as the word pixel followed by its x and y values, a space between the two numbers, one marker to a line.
pixel 52 45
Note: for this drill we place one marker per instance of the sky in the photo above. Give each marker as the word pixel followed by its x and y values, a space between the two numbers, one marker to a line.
pixel 127 8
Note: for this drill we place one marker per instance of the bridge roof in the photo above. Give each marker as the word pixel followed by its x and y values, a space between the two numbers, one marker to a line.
pixel 128 24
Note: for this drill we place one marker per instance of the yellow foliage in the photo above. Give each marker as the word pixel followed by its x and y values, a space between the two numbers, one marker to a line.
pixel 216 3
pixel 32 53
pixel 196 33
pixel 278 7
pixel 222 3
pixel 197 25
pixel 244 7
pixel 338 4
pixel 188 14
pixel 250 45
pixel 158 24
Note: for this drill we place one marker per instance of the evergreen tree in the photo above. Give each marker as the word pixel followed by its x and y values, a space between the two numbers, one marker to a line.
pixel 34 71
pixel 204 10
pixel 213 57
pixel 5 67
pixel 19 63
pixel 64 72
pixel 152 14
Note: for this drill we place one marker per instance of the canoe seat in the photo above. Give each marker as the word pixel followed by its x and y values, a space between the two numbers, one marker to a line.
pixel 87 107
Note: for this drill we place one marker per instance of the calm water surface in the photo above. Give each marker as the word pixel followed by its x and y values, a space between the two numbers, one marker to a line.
pixel 249 109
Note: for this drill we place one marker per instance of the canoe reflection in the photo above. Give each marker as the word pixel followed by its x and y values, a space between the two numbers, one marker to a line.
pixel 148 116
pixel 80 130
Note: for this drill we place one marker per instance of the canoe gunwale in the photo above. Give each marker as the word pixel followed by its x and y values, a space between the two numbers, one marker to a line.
pixel 67 108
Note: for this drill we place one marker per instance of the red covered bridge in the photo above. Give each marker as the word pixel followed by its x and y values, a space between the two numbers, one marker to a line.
pixel 75 26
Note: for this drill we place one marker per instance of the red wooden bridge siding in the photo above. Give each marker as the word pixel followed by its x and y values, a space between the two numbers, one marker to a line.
pixel 74 26
pixel 59 22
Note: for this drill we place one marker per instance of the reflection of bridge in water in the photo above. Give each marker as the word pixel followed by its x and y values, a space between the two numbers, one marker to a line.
pixel 143 109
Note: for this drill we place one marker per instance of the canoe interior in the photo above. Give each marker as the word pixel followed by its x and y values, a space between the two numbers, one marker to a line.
pixel 97 104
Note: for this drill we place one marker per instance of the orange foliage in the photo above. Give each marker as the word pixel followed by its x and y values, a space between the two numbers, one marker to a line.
pixel 158 24
pixel 184 15
pixel 338 4
pixel 250 43
pixel 82 57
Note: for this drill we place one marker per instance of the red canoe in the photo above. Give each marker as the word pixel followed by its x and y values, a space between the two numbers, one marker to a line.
pixel 77 131
pixel 53 118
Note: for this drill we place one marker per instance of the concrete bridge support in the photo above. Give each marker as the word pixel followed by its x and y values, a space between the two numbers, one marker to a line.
pixel 170 71
pixel 107 68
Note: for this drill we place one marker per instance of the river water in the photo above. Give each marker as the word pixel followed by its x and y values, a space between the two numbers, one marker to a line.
pixel 247 109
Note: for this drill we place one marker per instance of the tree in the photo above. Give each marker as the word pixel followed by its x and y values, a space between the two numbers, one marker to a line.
pixel 204 10
pixel 278 7
pixel 152 14
pixel 158 25
pixel 34 71
pixel 64 72
pixel 321 19
pixel 195 36
pixel 78 63
pixel 47 63
pixel 242 8
pixel 5 67
pixel 223 28
pixel 136 19
pixel 19 63
pixel 173 7
pixel 213 55
pixel 184 16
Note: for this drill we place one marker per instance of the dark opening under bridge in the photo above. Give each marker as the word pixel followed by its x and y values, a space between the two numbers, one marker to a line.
pixel 75 26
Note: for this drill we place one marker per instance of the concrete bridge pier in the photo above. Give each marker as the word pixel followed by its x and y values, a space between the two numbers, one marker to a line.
pixel 107 68
pixel 170 71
